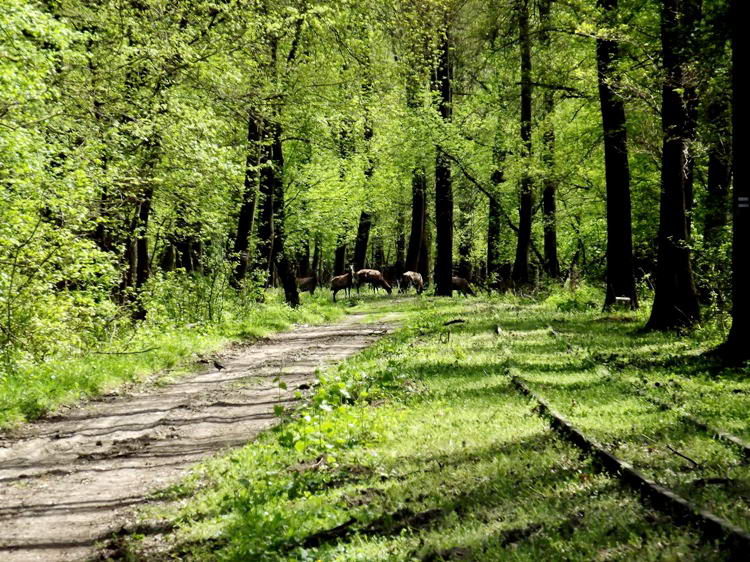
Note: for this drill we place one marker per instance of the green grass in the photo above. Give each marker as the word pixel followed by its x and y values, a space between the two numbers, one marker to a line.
pixel 30 391
pixel 420 448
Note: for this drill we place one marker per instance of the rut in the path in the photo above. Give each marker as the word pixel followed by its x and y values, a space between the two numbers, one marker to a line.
pixel 68 483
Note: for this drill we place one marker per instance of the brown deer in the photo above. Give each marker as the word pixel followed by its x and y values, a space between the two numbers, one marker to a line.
pixel 411 278
pixel 374 278
pixel 343 282
pixel 462 286
pixel 308 284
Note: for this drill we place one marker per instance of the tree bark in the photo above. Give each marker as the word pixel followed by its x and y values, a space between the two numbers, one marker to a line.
pixel 526 203
pixel 339 259
pixel 418 206
pixel 620 278
pixel 443 183
pixel 719 174
pixel 736 346
pixel 675 300
pixel 267 178
pixel 281 260
pixel 549 194
pixel 363 238
pixel 249 199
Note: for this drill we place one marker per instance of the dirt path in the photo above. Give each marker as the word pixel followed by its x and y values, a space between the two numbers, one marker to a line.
pixel 69 482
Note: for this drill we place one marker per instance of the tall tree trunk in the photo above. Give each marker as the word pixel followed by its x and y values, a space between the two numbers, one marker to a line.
pixel 620 278
pixel 281 260
pixel 418 207
pixel 363 238
pixel 464 247
pixel 423 265
pixel 443 182
pixel 265 235
pixel 339 259
pixel 719 174
pixel 316 261
pixel 249 198
pixel 736 346
pixel 549 194
pixel 676 300
pixel 398 266
pixel 526 204
pixel 493 244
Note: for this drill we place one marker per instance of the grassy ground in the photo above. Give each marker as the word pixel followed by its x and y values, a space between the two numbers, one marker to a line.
pixel 31 391
pixel 421 449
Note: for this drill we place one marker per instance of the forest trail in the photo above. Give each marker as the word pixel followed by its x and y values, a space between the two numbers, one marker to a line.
pixel 71 481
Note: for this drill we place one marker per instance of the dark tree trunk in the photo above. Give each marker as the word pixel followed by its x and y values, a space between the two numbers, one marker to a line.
pixel 303 264
pixel 675 300
pixel 400 248
pixel 418 207
pixel 526 204
pixel 281 261
pixel 339 260
pixel 363 238
pixel 249 197
pixel 265 236
pixel 549 194
pixel 737 345
pixel 443 183
pixel 719 174
pixel 316 262
pixel 465 239
pixel 493 244
pixel 549 201
pixel 620 278
pixel 423 264
pixel 142 263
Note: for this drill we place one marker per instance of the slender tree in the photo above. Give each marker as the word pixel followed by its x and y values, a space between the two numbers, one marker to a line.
pixel 549 193
pixel 737 346
pixel 620 279
pixel 675 300
pixel 443 181
pixel 525 211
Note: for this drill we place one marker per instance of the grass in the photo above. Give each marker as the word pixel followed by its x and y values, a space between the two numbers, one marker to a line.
pixel 33 390
pixel 419 448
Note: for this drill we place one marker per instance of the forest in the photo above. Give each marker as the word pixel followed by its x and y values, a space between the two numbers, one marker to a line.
pixel 183 181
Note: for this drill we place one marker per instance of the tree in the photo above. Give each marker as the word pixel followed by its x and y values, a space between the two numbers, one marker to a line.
pixel 675 300
pixel 736 347
pixel 526 205
pixel 443 184
pixel 620 279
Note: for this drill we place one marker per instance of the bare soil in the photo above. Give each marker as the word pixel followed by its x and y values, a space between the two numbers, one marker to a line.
pixel 71 481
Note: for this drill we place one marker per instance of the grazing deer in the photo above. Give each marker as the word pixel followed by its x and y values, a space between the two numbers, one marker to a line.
pixel 343 282
pixel 374 278
pixel 411 278
pixel 462 286
pixel 307 284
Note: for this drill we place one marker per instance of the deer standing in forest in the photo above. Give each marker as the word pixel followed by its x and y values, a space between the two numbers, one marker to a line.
pixel 343 282
pixel 411 278
pixel 374 278
pixel 462 286
pixel 308 284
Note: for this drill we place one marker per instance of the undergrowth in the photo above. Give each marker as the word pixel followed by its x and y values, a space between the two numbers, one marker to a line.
pixel 419 448
pixel 181 325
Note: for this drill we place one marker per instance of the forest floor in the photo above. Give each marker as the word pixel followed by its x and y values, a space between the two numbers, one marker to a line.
pixel 69 481
pixel 424 446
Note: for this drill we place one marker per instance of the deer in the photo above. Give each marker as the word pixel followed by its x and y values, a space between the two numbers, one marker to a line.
pixel 411 278
pixel 374 278
pixel 308 284
pixel 462 286
pixel 343 282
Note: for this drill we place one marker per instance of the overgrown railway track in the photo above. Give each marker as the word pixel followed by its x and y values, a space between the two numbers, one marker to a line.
pixel 734 539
